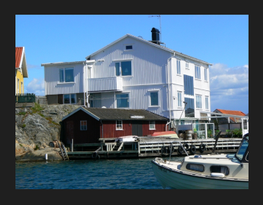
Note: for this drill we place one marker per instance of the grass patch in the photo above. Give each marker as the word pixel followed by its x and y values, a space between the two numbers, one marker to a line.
pixel 21 113
pixel 37 108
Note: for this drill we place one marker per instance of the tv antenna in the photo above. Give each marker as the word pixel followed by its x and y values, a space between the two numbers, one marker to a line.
pixel 159 16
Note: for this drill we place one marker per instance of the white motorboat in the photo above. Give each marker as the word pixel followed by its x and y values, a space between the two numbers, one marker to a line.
pixel 215 171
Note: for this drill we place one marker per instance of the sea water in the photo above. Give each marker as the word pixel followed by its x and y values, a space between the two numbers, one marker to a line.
pixel 87 174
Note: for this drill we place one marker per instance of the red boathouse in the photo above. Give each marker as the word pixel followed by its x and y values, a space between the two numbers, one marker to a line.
pixel 88 125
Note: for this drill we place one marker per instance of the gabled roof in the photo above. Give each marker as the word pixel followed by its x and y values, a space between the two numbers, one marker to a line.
pixel 118 114
pixel 151 44
pixel 231 112
pixel 20 60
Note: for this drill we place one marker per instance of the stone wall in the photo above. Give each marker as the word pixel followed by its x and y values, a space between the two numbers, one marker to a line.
pixel 36 127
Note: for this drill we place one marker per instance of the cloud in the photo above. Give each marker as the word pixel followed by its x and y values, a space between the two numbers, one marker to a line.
pixel 36 86
pixel 229 87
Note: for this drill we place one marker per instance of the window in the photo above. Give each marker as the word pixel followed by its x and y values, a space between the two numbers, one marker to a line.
pixel 123 68
pixel 198 101
pixel 178 67
pixel 154 98
pixel 197 72
pixel 69 98
pixel 206 103
pixel 151 125
pixel 188 85
pixel 205 74
pixel 66 75
pixel 179 98
pixel 17 91
pixel 83 125
pixel 22 87
pixel 219 169
pixel 119 125
pixel 61 75
pixel 242 149
pixel 128 47
pixel 122 100
pixel 189 107
pixel 186 65
pixel 195 167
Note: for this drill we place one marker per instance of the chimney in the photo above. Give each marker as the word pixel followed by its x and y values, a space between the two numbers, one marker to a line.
pixel 155 36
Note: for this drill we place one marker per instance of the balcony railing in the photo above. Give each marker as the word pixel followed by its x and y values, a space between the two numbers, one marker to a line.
pixel 105 84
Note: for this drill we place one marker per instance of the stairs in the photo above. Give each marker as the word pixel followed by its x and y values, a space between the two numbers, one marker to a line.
pixel 63 151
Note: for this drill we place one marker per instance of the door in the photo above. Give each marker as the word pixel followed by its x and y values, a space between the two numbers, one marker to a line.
pixel 69 131
pixel 245 128
pixel 137 128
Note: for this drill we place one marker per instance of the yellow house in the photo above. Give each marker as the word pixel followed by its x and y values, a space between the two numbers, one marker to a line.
pixel 20 70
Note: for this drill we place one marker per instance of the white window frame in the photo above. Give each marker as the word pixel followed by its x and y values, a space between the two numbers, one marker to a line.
pixel 150 99
pixel 64 75
pixel 178 67
pixel 117 99
pixel 17 86
pixel 125 47
pixel 120 68
pixel 187 65
pixel 152 125
pixel 22 88
pixel 179 99
pixel 119 125
pixel 69 98
pixel 83 127
pixel 207 102
pixel 205 74
pixel 198 72
pixel 197 103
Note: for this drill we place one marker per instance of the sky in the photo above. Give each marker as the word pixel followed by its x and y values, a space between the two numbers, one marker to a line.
pixel 221 40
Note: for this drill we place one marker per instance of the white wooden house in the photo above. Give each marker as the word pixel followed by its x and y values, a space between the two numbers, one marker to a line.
pixel 133 73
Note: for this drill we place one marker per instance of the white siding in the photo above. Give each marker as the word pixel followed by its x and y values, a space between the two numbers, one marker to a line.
pixel 148 63
pixel 52 84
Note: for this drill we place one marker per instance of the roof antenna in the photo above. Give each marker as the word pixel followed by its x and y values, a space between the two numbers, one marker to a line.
pixel 159 16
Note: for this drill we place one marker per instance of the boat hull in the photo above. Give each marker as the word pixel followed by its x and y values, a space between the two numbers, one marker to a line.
pixel 177 179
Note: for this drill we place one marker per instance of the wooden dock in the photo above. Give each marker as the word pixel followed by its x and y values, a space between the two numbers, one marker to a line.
pixel 153 147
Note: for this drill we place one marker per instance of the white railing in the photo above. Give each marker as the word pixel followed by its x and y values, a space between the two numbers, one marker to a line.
pixel 105 84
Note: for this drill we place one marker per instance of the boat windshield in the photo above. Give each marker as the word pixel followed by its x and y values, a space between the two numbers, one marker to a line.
pixel 242 149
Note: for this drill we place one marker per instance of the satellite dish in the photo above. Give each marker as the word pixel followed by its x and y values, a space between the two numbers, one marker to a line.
pixel 140 37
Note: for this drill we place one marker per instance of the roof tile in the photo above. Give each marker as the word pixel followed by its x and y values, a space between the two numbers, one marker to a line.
pixel 18 56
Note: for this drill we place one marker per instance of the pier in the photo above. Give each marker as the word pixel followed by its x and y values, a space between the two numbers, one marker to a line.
pixel 152 147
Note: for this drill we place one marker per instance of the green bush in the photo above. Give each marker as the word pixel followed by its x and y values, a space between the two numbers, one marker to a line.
pixel 237 132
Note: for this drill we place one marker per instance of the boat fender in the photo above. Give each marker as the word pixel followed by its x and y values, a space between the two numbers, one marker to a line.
pixel 94 155
pixel 202 148
pixel 186 146
pixel 214 174
pixel 180 150
pixel 192 149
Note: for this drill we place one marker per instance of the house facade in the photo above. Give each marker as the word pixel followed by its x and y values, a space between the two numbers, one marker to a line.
pixel 133 73
pixel 20 69
pixel 88 125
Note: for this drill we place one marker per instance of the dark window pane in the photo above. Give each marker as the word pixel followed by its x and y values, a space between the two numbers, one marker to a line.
pixel 188 85
pixel 126 68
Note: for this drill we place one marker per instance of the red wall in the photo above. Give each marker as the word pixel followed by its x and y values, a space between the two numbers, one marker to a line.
pixel 89 136
pixel 71 129
pixel 109 128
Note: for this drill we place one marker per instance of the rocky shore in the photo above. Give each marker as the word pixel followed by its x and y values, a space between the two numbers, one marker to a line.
pixel 35 128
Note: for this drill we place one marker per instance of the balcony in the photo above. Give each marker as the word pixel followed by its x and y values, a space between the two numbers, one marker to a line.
pixel 105 84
